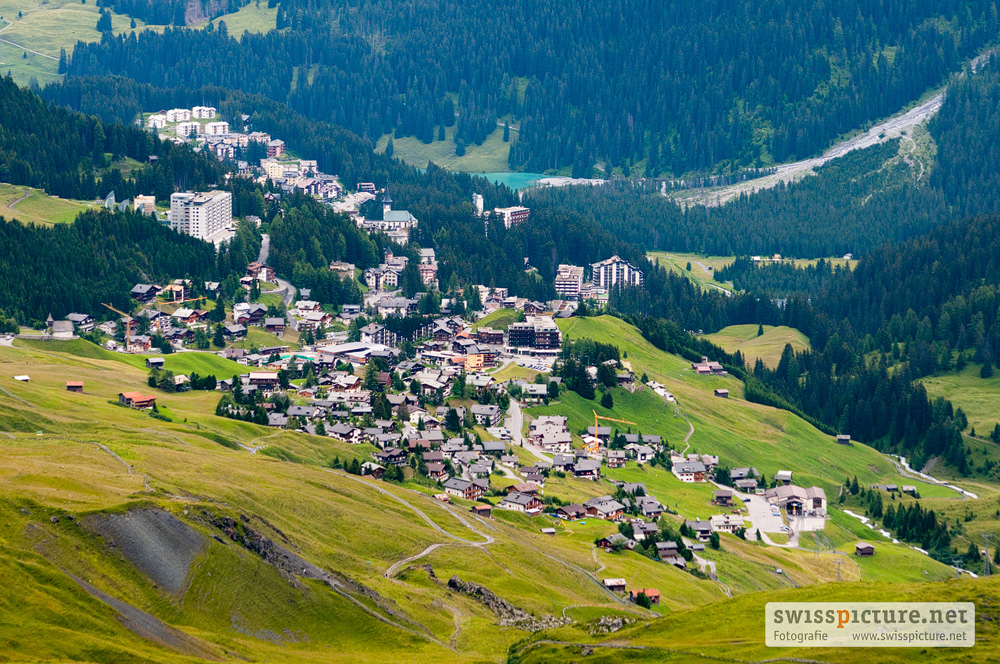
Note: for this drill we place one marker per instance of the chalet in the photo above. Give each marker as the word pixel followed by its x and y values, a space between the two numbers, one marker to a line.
pixel 746 485
pixel 487 415
pixel 154 362
pixel 603 433
pixel 702 529
pixel 140 343
pixel 463 489
pixel 726 523
pixel 74 386
pixel 522 502
pixel 909 488
pixel 373 469
pixel 563 462
pixel 689 471
pixel 615 585
pixel 650 507
pixel 605 507
pixel 783 476
pixel 345 432
pixel 265 380
pixel 144 292
pixel 136 400
pixel 743 473
pixel 234 331
pixel 436 470
pixel 392 456
pixel 277 420
pixel 651 593
pixel 641 529
pixel 643 453
pixel 571 512
pixel 615 458
pixel 274 324
pixel 723 497
pixel 82 322
pixel 666 549
pixel 587 468
pixel 705 367
pixel 616 540
pixel 864 549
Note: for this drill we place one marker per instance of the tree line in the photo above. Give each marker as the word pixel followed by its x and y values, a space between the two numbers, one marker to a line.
pixel 677 88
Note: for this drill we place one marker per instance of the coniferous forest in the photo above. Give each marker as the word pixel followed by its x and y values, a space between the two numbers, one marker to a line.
pixel 679 87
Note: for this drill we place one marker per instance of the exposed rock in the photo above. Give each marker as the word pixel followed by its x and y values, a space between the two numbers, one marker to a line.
pixel 292 565
pixel 510 615
pixel 609 624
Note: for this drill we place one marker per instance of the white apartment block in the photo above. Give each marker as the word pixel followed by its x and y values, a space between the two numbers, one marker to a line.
pixel 616 272
pixel 569 279
pixel 203 112
pixel 513 216
pixel 185 129
pixel 156 121
pixel 217 128
pixel 178 115
pixel 201 215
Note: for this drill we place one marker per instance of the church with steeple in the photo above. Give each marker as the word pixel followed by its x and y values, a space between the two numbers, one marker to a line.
pixel 394 223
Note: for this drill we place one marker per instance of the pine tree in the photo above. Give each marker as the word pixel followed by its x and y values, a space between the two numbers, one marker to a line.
pixel 506 132
pixel 63 61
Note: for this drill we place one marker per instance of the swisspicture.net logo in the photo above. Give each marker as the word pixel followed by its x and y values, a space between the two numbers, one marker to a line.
pixel 870 624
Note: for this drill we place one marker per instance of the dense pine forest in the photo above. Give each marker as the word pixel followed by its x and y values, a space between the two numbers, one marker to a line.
pixel 679 87
pixel 75 156
pixel 98 258
pixel 853 205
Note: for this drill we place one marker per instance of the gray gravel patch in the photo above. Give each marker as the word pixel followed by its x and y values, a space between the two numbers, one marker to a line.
pixel 160 545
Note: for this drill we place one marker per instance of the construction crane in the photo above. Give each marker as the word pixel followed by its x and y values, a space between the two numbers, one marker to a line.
pixel 128 321
pixel 606 419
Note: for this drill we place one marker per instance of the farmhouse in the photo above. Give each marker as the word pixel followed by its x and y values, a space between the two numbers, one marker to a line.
pixel 652 593
pixel 136 400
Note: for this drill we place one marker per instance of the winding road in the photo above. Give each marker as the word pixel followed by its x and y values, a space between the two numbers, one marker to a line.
pixel 888 129
pixel 283 286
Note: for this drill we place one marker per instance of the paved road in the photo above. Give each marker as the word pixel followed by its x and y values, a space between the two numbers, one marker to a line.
pixel 283 286
pixel 515 424
pixel 10 206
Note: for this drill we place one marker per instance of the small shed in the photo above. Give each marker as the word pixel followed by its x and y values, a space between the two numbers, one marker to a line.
pixel 482 510
pixel 548 531
pixel 154 362
pixel 844 439
pixel 74 386
pixel 615 585
pixel 864 549
pixel 722 393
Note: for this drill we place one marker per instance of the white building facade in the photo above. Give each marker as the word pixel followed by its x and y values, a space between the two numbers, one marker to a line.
pixel 201 215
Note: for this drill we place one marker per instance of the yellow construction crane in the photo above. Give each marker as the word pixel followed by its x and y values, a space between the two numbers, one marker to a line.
pixel 606 419
pixel 128 321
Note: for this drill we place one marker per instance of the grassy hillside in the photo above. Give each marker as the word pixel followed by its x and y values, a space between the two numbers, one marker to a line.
pixel 113 470
pixel 489 157
pixel 37 207
pixel 43 29
pixel 500 319
pixel 734 630
pixel 978 397
pixel 768 347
